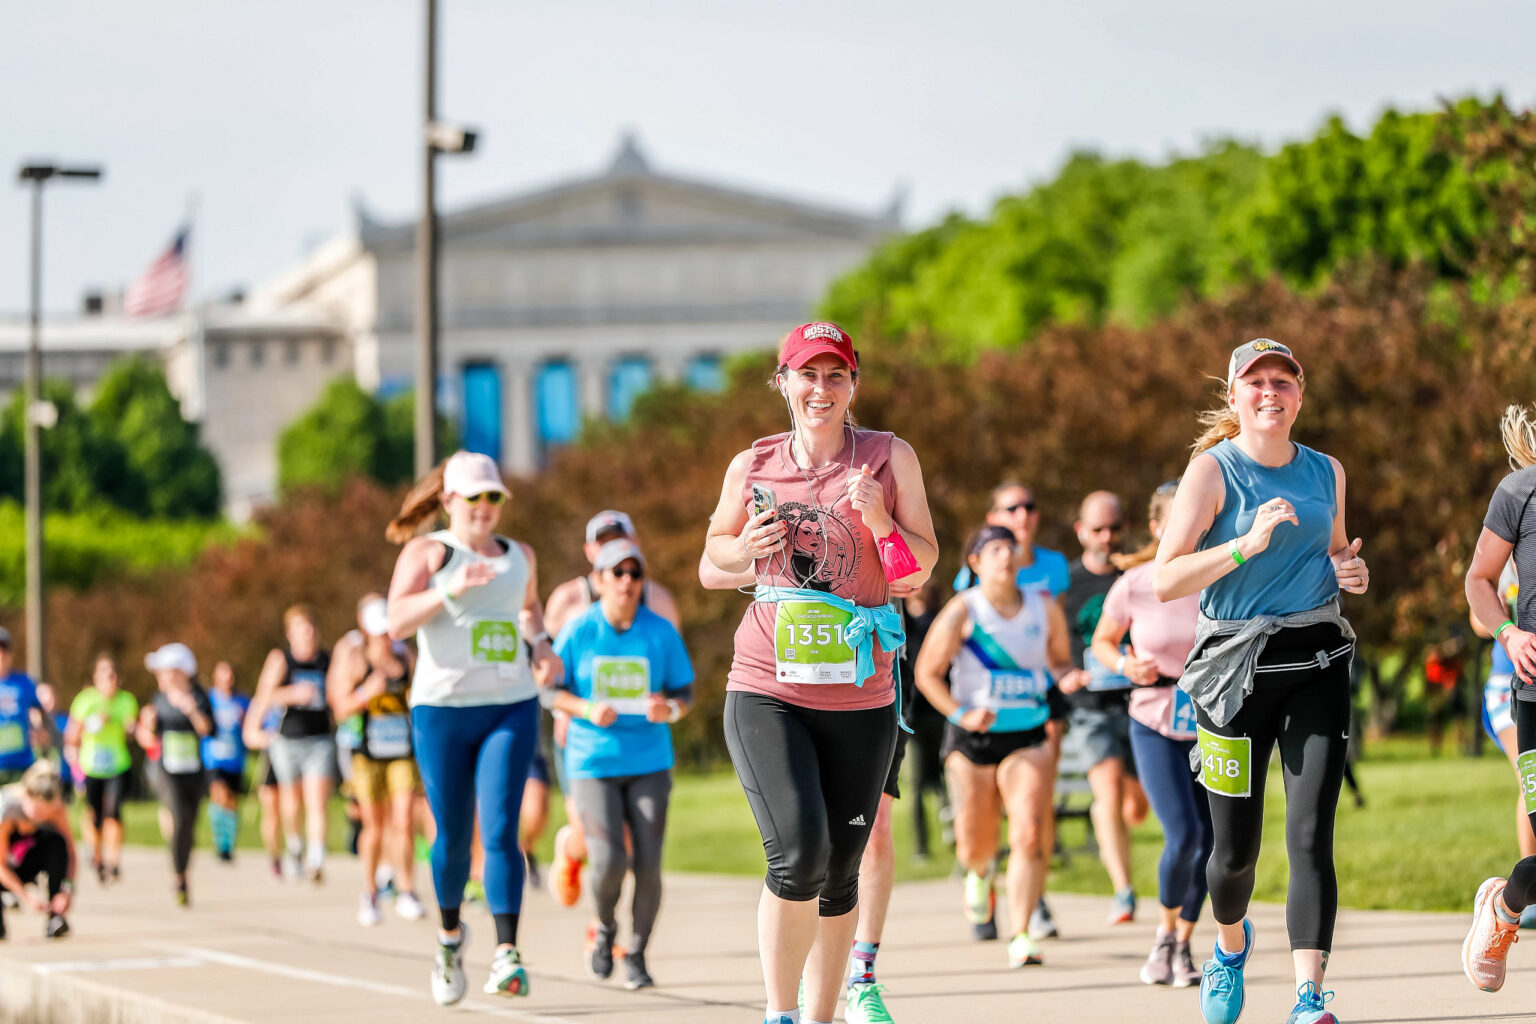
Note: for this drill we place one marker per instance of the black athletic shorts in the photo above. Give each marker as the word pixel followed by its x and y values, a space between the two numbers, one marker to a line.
pixel 234 780
pixel 987 748
pixel 105 796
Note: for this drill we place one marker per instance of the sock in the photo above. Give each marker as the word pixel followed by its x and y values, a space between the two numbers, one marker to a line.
pixel 778 1016
pixel 449 916
pixel 506 929
pixel 1502 915
pixel 861 966
pixel 294 846
pixel 315 858
pixel 1230 959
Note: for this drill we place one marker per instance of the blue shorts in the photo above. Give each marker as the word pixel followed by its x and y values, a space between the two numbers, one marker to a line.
pixel 1498 707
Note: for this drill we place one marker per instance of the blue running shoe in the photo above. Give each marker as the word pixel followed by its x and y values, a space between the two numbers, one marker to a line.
pixel 1221 983
pixel 1310 1001
pixel 778 1020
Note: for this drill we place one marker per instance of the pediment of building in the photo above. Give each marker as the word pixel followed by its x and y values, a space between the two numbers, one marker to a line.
pixel 630 204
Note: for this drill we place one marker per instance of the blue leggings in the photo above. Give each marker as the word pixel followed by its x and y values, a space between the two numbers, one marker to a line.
pixel 470 755
pixel 1185 814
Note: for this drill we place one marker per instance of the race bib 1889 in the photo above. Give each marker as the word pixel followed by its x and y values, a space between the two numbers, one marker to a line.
pixel 623 683
pixel 1226 764
pixel 810 644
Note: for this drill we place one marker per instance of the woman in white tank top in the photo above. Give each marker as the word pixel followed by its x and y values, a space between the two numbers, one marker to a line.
pixel 998 647
pixel 471 598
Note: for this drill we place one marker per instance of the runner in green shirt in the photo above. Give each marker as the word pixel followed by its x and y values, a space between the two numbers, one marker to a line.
pixel 99 721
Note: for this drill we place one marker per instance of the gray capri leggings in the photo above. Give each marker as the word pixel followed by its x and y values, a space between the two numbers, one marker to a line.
pixel 605 806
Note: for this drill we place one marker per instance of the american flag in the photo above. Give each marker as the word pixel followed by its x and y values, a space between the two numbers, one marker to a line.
pixel 161 288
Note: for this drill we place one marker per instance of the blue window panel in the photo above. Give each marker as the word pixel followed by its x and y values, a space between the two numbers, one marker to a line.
pixel 631 378
pixel 481 421
pixel 556 404
pixel 705 373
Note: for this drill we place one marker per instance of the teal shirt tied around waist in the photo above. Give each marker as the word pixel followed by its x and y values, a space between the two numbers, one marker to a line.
pixel 883 621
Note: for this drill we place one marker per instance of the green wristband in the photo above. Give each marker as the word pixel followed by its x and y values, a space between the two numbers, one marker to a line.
pixel 1507 624
pixel 589 712
pixel 1237 556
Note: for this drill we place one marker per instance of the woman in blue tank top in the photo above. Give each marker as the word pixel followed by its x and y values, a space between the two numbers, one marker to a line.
pixel 1257 529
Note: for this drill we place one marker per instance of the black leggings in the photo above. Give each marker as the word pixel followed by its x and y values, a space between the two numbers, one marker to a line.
pixel 1520 892
pixel 183 797
pixel 1305 710
pixel 813 779
pixel 43 852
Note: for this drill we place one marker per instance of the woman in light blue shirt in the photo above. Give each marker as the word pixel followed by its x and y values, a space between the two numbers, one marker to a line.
pixel 628 678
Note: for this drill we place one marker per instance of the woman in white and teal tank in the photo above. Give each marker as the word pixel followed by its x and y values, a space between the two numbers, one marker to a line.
pixel 470 595
pixel 998 645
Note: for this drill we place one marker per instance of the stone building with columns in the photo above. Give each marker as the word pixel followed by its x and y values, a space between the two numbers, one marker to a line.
pixel 556 305
pixel 566 302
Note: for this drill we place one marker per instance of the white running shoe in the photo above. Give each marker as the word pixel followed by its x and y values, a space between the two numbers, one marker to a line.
pixel 409 907
pixel 368 911
pixel 448 980
pixel 508 975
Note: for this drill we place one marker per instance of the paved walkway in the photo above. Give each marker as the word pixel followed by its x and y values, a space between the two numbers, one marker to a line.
pixel 258 951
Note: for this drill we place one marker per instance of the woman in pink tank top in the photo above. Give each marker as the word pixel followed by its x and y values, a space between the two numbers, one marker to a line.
pixel 810 715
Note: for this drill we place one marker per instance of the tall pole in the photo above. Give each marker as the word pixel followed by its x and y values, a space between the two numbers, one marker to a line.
pixel 32 453
pixel 426 266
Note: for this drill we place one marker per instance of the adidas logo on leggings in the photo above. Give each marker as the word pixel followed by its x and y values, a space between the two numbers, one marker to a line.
pixel 857 821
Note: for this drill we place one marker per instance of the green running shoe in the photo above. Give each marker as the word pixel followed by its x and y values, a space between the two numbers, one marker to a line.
pixel 508 975
pixel 866 1005
pixel 1022 952
pixel 980 898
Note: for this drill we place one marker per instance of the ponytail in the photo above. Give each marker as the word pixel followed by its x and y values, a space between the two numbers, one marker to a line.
pixel 423 504
pixel 1519 430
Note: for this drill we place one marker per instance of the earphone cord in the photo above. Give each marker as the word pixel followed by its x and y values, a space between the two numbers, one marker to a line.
pixel 821 526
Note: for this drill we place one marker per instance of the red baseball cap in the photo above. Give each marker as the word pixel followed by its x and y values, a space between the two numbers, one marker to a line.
pixel 808 341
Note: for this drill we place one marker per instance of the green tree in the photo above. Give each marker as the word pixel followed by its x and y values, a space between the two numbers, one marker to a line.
pixel 167 473
pixel 350 433
pixel 81 469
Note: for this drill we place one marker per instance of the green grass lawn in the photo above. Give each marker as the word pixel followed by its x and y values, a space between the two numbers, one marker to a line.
pixel 1430 831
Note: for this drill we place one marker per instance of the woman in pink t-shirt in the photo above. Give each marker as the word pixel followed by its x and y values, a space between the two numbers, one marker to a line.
pixel 810 720
pixel 1162 735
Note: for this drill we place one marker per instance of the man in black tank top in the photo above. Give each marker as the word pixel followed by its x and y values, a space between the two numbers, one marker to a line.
pixel 1100 719
pixel 303 753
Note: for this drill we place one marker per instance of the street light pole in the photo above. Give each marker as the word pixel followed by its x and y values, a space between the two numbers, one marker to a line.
pixel 37 175
pixel 437 137
pixel 32 484
pixel 426 266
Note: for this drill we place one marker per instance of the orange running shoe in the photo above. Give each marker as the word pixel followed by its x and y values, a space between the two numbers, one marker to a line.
pixel 564 872
pixel 1487 943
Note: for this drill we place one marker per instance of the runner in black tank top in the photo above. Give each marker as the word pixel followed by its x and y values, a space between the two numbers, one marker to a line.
pixel 303 753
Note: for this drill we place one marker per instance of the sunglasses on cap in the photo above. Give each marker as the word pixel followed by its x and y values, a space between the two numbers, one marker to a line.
pixel 491 498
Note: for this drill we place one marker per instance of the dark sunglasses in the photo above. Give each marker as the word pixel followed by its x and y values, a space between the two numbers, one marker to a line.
pixel 1027 506
pixel 634 574
pixel 1107 528
pixel 491 498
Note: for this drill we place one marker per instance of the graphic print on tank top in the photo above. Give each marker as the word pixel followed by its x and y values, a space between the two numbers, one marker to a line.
pixel 823 548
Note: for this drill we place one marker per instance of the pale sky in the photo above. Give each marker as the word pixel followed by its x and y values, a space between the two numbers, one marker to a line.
pixel 276 112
